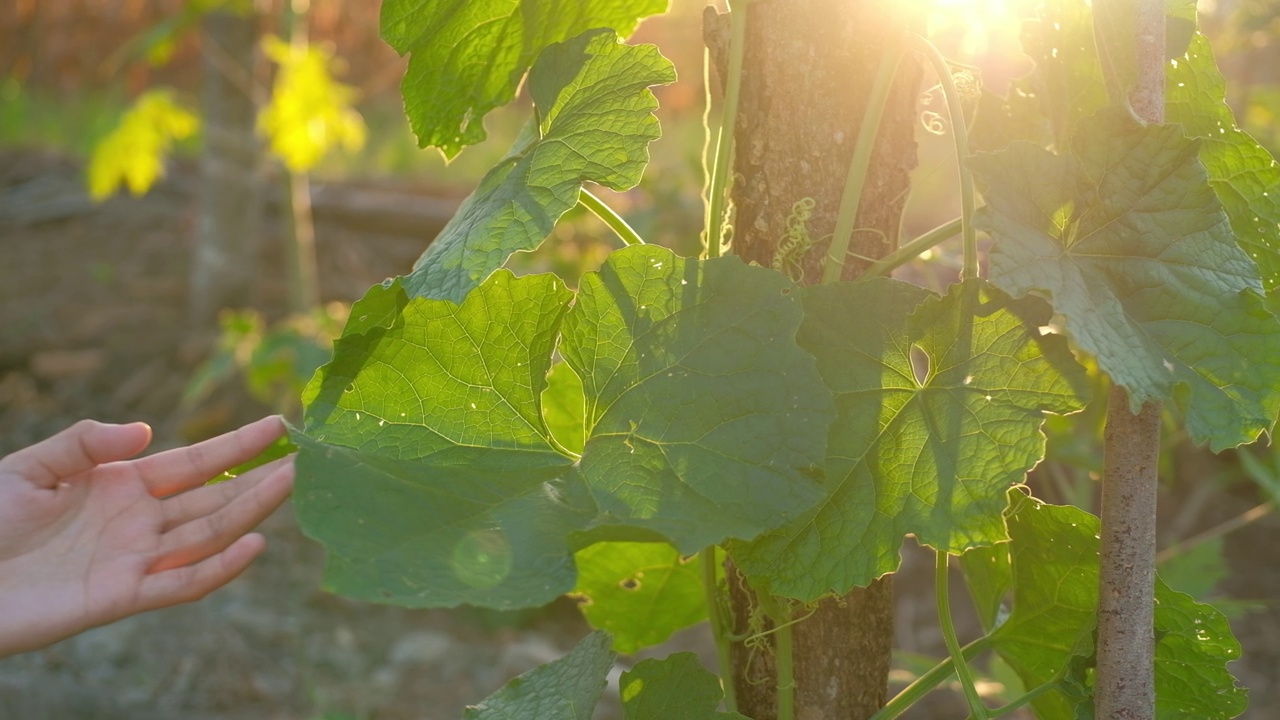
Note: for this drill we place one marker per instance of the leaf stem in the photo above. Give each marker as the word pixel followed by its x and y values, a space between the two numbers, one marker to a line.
pixel 960 138
pixel 719 628
pixel 612 219
pixel 851 198
pixel 908 252
pixel 924 684
pixel 977 710
pixel 728 122
pixel 784 654
pixel 1031 694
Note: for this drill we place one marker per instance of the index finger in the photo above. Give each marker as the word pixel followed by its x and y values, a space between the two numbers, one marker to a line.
pixel 173 471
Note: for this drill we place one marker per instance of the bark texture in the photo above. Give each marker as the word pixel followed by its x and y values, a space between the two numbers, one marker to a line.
pixel 228 227
pixel 809 68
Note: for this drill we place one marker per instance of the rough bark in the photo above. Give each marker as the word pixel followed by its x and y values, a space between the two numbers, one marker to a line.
pixel 228 226
pixel 809 69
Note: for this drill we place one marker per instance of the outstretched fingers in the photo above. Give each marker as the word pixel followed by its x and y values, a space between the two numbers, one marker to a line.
pixel 181 469
pixel 216 518
pixel 79 448
pixel 194 504
pixel 192 582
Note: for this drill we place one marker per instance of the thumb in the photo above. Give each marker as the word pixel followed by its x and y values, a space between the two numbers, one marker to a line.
pixel 79 448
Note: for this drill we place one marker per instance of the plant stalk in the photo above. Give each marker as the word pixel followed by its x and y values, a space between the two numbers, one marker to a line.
pixel 925 684
pixel 1125 687
pixel 847 216
pixel 960 139
pixel 913 248
pixel 612 219
pixel 720 629
pixel 723 163
pixel 942 593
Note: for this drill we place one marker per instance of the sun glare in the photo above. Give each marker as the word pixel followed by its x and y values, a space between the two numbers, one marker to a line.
pixel 976 27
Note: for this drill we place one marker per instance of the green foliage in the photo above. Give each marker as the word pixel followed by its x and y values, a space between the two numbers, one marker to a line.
pixel 429 473
pixel 639 592
pixel 1243 174
pixel 1053 577
pixel 564 689
pixel 925 445
pixel 1129 243
pixel 468 56
pixel 676 688
pixel 594 122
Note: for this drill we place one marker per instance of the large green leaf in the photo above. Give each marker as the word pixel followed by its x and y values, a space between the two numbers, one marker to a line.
pixel 1129 243
pixel 1243 174
pixel 675 688
pixel 639 592
pixel 705 421
pixel 594 122
pixel 427 469
pixel 1054 554
pixel 564 689
pixel 469 55
pixel 930 456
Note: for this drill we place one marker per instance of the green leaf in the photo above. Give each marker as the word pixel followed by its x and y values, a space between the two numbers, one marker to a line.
pixel 1067 83
pixel 639 592
pixel 468 56
pixel 930 456
pixel 1197 570
pixel 705 421
pixel 987 575
pixel 1130 245
pixel 564 689
pixel 563 405
pixel 675 688
pixel 429 474
pixel 426 469
pixel 1054 552
pixel 1242 173
pixel 594 122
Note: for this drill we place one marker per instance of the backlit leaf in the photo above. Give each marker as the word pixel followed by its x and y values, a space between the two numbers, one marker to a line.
pixel 674 688
pixel 468 56
pixel 564 689
pixel 926 447
pixel 639 592
pixel 1129 243
pixel 1054 555
pixel 428 471
pixel 594 122
pixel 1243 174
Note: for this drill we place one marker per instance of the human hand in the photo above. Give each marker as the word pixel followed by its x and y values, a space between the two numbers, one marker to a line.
pixel 88 536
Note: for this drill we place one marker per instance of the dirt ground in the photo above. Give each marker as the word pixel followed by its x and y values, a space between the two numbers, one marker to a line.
pixel 92 305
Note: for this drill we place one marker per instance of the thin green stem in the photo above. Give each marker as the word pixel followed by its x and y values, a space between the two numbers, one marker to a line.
pixel 977 710
pixel 925 684
pixel 719 628
pixel 908 252
pixel 723 162
pixel 960 138
pixel 784 654
pixel 847 215
pixel 612 219
pixel 1030 695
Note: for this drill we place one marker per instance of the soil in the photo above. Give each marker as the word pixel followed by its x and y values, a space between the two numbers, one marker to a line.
pixel 92 302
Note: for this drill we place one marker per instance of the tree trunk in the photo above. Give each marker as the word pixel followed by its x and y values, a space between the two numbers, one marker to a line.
pixel 809 68
pixel 230 216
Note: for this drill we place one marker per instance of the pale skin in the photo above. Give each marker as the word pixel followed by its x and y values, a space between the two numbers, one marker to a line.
pixel 89 536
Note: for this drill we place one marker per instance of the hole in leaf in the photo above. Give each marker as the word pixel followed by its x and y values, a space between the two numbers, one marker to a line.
pixel 920 365
pixel 630 584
